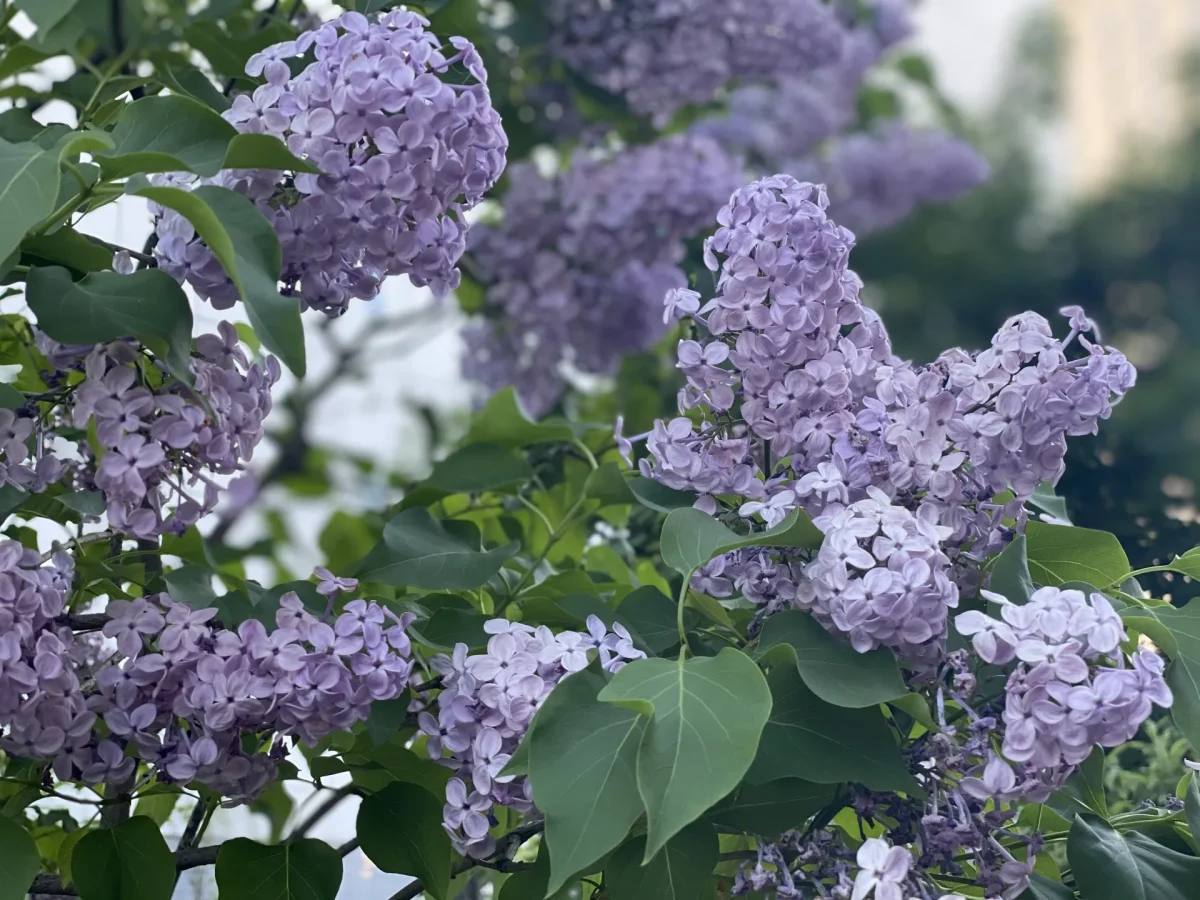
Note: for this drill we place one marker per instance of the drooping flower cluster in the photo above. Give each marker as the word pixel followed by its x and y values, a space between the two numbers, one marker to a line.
pixel 184 694
pixel 662 55
pixel 43 712
pixel 875 177
pixel 878 177
pixel 484 709
pixel 162 441
pixel 576 271
pixel 1072 687
pixel 805 406
pixel 33 473
pixel 403 152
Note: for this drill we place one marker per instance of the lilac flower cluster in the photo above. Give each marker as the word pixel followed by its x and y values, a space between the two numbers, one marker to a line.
pixel 805 406
pixel 484 709
pixel 183 694
pixel 662 55
pixel 17 467
pixel 43 712
pixel 876 178
pixel 1072 687
pixel 403 150
pixel 575 272
pixel 161 445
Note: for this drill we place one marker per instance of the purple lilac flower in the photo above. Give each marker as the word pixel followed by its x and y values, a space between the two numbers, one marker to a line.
pixel 576 271
pixel 486 704
pixel 404 152
pixel 1072 689
pixel 161 445
pixel 663 54
pixel 803 405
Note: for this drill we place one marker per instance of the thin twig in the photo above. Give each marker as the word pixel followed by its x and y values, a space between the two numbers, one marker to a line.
pixel 321 811
pixel 347 848
pixel 191 832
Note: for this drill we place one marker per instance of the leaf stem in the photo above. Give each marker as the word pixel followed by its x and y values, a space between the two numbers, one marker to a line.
pixel 683 641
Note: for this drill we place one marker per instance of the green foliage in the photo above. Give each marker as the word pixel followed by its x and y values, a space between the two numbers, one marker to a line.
pixel 691 538
pixel 1010 576
pixel 306 869
pixel 676 872
pixel 831 669
pixel 19 860
pixel 583 756
pixel 772 807
pixel 707 716
pixel 128 860
pixel 418 550
pixel 400 831
pixel 1109 865
pixel 1058 554
pixel 805 737
pixel 1177 633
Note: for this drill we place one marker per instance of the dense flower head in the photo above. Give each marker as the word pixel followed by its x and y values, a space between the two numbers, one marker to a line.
pixel 662 55
pixel 162 441
pixel 575 272
pixel 484 709
pixel 804 405
pixel 1072 687
pixel 878 177
pixel 183 694
pixel 403 151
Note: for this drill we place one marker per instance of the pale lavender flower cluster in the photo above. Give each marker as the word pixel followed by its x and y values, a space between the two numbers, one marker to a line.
pixel 161 446
pixel 880 577
pixel 878 177
pixel 484 709
pixel 1072 688
pixel 33 473
pixel 43 712
pixel 806 406
pixel 662 55
pixel 404 151
pixel 575 272
pixel 183 694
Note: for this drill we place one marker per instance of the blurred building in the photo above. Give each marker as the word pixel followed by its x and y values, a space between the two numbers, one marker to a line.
pixel 1123 95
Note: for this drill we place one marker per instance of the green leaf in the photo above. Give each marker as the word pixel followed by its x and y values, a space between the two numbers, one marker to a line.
pixel 1042 888
pixel 691 538
pixel 66 851
pixel 774 807
pixel 805 737
pixel 45 14
pixel 106 306
pixel 1177 633
pixel 608 485
pixel 1111 866
pixel 400 829
pixel 1191 805
pixel 170 133
pixel 130 860
pixel 1062 553
pixel 184 78
pixel 1084 790
pixel 831 668
pixel 447 627
pixel 306 869
pixel 89 503
pixel 264 151
pixel 418 551
pixel 192 585
pixel 677 872
pixel 651 615
pixel 383 764
pixel 583 769
pixel 157 806
pixel 19 860
pixel 29 179
pixel 477 468
pixel 659 497
pixel 503 422
pixel 1047 501
pixel 67 247
pixel 386 718
pixel 708 715
pixel 245 244
pixel 1010 572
